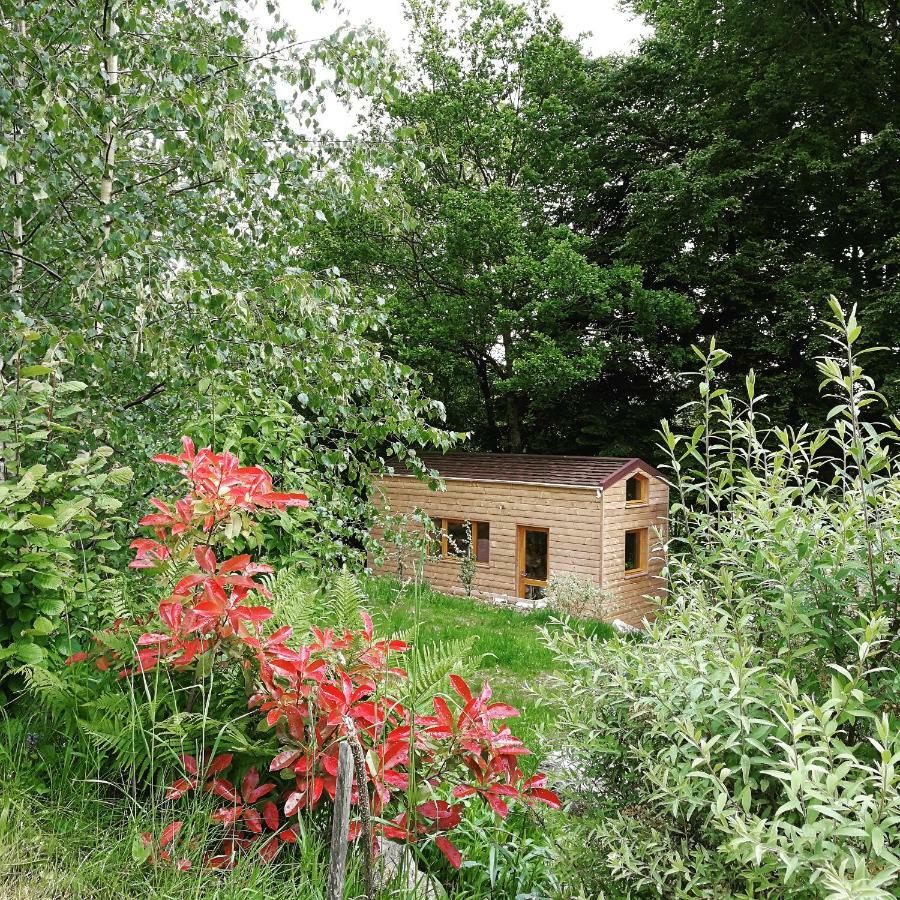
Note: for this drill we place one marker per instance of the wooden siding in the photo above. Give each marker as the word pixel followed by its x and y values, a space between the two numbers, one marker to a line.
pixel 571 514
pixel 587 535
pixel 627 593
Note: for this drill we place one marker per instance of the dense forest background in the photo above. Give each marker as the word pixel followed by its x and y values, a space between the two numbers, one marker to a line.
pixel 554 231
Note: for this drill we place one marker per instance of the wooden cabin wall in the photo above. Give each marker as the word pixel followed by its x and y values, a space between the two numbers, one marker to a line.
pixel 627 593
pixel 587 536
pixel 571 514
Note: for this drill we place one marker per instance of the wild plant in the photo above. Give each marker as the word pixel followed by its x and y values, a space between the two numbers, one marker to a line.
pixel 211 632
pixel 749 746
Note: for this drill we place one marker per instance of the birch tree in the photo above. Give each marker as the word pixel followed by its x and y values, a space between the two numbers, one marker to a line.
pixel 161 168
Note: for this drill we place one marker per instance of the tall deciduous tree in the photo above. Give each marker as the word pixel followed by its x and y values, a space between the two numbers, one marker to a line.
pixel 756 157
pixel 157 157
pixel 493 290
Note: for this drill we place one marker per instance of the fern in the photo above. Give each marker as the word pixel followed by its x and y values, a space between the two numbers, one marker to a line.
pixel 429 665
pixel 301 601
pixel 345 597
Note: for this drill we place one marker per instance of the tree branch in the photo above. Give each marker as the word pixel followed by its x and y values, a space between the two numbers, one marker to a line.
pixel 157 388
pixel 34 262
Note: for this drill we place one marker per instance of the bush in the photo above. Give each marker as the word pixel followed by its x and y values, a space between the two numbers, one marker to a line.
pixel 573 595
pixel 212 650
pixel 56 503
pixel 750 745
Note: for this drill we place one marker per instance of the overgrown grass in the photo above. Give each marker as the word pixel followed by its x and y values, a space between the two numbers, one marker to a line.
pixel 511 656
pixel 68 833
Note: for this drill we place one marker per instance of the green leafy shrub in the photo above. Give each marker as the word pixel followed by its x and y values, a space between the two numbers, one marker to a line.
pixel 56 502
pixel 573 595
pixel 749 746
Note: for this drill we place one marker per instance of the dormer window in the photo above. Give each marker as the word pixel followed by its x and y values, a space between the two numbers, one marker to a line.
pixel 636 490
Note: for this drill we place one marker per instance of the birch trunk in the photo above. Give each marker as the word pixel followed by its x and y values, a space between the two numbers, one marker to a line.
pixel 17 284
pixel 111 77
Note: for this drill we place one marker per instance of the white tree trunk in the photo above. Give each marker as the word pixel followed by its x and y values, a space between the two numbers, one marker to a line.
pixel 111 76
pixel 17 284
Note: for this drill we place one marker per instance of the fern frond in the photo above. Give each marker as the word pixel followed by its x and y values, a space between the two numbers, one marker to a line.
pixel 429 665
pixel 345 597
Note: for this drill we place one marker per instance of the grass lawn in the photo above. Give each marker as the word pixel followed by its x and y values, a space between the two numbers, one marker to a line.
pixel 512 657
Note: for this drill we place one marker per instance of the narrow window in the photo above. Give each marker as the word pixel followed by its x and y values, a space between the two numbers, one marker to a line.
pixel 482 538
pixel 635 551
pixel 436 537
pixel 636 490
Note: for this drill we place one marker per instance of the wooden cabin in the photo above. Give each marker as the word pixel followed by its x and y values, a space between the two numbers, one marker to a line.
pixel 530 517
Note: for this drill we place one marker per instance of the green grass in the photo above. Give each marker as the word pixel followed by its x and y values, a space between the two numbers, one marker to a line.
pixel 67 832
pixel 512 657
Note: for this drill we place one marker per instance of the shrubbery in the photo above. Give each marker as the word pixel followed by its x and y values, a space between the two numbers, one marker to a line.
pixel 749 746
pixel 209 651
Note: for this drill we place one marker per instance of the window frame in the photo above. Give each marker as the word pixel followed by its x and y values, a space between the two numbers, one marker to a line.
pixel 473 545
pixel 643 548
pixel 644 497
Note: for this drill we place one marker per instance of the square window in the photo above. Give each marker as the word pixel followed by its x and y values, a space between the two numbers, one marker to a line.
pixel 636 550
pixel 457 538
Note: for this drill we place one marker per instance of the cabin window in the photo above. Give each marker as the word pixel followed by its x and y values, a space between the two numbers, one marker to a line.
pixel 636 490
pixel 636 551
pixel 454 539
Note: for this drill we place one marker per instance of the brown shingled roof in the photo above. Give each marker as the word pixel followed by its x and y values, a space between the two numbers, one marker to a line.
pixel 527 468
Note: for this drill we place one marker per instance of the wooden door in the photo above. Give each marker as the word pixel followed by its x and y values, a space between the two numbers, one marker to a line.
pixel 532 561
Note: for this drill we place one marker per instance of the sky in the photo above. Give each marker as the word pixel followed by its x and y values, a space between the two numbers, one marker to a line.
pixel 612 30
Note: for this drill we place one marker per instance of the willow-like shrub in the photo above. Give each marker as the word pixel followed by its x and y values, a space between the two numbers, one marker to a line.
pixel 749 745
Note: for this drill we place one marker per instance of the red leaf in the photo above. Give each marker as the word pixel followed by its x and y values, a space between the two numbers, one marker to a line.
pixel 227 815
pixel 180 788
pixel 497 805
pixel 169 834
pixel 235 564
pixel 293 802
pixel 220 763
pixel 206 559
pixel 81 656
pixel 225 789
pixel 269 849
pixel 248 784
pixel 253 820
pixel 462 791
pixel 166 458
pixel 183 865
pixel 501 711
pixel 270 814
pixel 284 759
pixel 453 855
pixel 461 688
pixel 545 796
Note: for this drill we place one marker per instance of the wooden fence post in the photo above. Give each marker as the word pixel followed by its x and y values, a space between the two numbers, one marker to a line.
pixel 340 825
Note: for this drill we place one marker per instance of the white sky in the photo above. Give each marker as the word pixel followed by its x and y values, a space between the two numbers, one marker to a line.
pixel 612 30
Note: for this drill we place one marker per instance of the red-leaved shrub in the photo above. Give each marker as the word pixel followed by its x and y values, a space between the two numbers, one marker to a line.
pixel 312 693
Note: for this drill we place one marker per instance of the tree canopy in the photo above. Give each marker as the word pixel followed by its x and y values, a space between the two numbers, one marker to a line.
pixel 565 227
pixel 158 160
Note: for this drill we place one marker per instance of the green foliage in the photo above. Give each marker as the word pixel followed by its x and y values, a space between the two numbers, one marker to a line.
pixel 747 157
pixel 58 505
pixel 140 181
pixel 574 595
pixel 302 601
pixel 467 566
pixel 749 745
pixel 493 292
